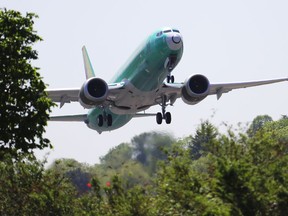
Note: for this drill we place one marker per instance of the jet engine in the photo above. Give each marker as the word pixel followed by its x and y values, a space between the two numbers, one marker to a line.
pixel 195 89
pixel 93 92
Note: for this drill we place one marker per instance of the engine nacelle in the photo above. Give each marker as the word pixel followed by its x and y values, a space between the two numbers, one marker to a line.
pixel 195 89
pixel 93 92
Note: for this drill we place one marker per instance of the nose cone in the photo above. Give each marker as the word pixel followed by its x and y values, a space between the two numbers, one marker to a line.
pixel 174 41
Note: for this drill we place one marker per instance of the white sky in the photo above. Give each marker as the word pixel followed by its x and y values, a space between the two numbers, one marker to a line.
pixel 225 40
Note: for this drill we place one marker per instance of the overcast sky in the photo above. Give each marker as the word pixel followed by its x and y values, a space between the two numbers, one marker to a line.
pixel 225 40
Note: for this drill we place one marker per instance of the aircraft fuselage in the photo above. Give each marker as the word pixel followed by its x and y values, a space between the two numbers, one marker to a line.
pixel 143 74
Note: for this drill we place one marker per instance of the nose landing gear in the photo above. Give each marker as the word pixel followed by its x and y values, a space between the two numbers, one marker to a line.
pixel 169 65
pixel 170 78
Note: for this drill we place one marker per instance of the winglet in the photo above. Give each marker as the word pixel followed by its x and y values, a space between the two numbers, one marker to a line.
pixel 87 64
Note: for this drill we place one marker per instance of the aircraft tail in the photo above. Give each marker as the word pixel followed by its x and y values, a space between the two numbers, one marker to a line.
pixel 87 64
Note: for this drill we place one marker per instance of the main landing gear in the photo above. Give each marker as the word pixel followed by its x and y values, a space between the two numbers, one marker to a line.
pixel 105 118
pixel 164 115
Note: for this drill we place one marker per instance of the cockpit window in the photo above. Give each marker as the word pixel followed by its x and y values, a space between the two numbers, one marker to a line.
pixel 166 31
pixel 159 34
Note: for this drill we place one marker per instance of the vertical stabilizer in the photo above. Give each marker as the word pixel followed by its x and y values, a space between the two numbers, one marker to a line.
pixel 87 64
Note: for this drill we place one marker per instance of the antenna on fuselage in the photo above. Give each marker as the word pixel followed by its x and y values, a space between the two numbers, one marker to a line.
pixel 87 64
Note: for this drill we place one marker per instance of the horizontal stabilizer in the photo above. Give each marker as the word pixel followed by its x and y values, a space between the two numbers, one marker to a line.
pixel 75 118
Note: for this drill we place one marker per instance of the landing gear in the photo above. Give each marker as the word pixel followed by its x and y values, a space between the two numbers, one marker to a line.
pixel 170 79
pixel 159 118
pixel 100 120
pixel 164 115
pixel 105 118
pixel 168 117
pixel 170 64
pixel 109 120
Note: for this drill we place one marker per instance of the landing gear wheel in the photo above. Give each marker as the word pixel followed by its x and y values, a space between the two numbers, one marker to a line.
pixel 159 118
pixel 109 120
pixel 168 79
pixel 168 117
pixel 100 120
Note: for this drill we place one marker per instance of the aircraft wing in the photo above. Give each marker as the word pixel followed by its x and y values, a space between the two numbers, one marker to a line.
pixel 219 89
pixel 63 95
pixel 174 90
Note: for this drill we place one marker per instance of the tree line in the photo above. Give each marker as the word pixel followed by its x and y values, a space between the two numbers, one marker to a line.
pixel 207 173
pixel 241 171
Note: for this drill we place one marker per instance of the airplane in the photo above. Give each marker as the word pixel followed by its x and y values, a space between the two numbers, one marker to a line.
pixel 145 80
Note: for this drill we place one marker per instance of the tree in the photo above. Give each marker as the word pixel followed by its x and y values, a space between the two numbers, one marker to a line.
pixel 202 142
pixel 258 123
pixel 28 189
pixel 182 188
pixel 244 175
pixel 254 179
pixel 139 144
pixel 118 161
pixel 148 148
pixel 117 156
pixel 24 105
pixel 114 199
pixel 77 173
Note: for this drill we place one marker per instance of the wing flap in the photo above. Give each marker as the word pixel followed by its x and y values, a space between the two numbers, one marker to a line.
pixel 171 91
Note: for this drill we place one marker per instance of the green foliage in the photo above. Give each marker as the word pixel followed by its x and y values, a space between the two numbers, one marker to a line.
pixel 127 159
pixel 242 176
pixel 253 180
pixel 117 156
pixel 258 124
pixel 114 199
pixel 203 141
pixel 230 174
pixel 148 149
pixel 24 105
pixel 236 174
pixel 78 173
pixel 184 189
pixel 27 189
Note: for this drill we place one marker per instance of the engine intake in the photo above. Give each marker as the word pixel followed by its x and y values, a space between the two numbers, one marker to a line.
pixel 195 89
pixel 93 92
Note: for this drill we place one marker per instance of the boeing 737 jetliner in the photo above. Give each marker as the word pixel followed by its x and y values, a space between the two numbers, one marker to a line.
pixel 144 81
